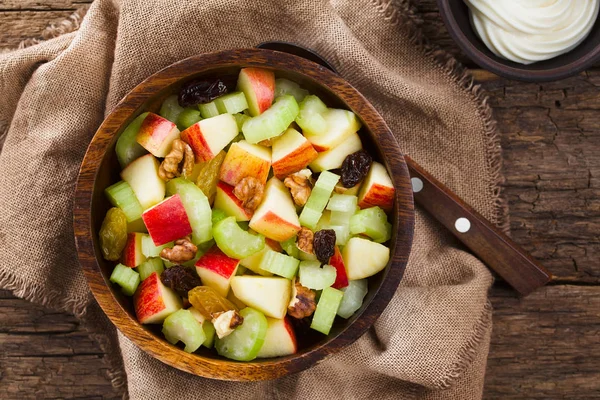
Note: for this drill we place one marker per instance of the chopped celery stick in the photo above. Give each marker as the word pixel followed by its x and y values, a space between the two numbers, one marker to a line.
pixel 354 294
pixel 236 242
pixel 218 215
pixel 327 308
pixel 303 256
pixel 196 206
pixel 169 264
pixel 149 249
pixel 289 246
pixel 311 213
pixel 244 343
pixel 149 266
pixel 253 263
pixel 208 110
pixel 181 325
pixel 310 116
pixel 279 264
pixel 170 108
pixel 314 277
pixel 343 202
pixel 239 120
pixel 245 225
pixel 187 118
pixel 272 122
pixel 340 217
pixel 231 103
pixel 121 195
pixel 209 332
pixel 125 277
pixel 284 86
pixel 373 223
pixel 342 234
pixel 127 147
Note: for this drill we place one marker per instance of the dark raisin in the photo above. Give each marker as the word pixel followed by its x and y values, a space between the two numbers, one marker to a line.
pixel 180 279
pixel 324 244
pixel 355 167
pixel 201 91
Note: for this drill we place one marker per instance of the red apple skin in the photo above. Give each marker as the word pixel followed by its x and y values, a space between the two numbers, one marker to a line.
pixel 228 190
pixel 285 231
pixel 263 84
pixel 147 299
pixel 239 164
pixel 290 328
pixel 167 221
pixel 295 161
pixel 337 262
pixel 195 138
pixel 132 253
pixel 274 245
pixel 217 261
pixel 155 129
pixel 378 195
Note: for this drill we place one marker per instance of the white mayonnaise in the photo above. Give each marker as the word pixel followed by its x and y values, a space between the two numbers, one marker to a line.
pixel 526 31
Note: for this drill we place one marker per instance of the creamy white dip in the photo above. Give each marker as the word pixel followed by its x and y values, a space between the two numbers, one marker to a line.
pixel 526 31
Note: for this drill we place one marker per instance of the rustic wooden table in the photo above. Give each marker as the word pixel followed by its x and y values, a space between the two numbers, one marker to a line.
pixel 546 346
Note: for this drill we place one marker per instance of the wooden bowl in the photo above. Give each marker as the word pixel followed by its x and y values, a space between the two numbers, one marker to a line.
pixel 100 169
pixel 455 14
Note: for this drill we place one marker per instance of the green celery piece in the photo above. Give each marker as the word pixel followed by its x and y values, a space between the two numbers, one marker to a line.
pixel 187 118
pixel 149 266
pixel 327 307
pixel 310 115
pixel 340 218
pixel 373 223
pixel 311 213
pixel 342 202
pixel 342 234
pixel 312 276
pixel 239 120
pixel 196 206
pixel 125 277
pixel 244 343
pixel 284 86
pixel 279 264
pixel 182 326
pixel 218 215
pixel 234 241
pixel 170 108
pixel 354 295
pixel 208 110
pixel 209 332
pixel 121 195
pixel 231 103
pixel 149 249
pixel 245 225
pixel 289 246
pixel 273 121
pixel 127 147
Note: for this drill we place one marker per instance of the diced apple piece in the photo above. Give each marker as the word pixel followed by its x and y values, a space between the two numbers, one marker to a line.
pixel 132 255
pixel 280 340
pixel 142 176
pixel 339 188
pixel 153 301
pixel 276 216
pixel 337 262
pixel 364 258
pixel 272 122
pixel 209 136
pixel 244 159
pixel 291 153
pixel 216 270
pixel 156 134
pixel 340 125
pixel 196 206
pixel 271 295
pixel 167 221
pixel 258 86
pixel 227 201
pixel 127 147
pixel 333 158
pixel 377 189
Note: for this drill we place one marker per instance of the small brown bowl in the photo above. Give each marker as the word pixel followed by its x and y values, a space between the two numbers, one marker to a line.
pixel 100 169
pixel 455 14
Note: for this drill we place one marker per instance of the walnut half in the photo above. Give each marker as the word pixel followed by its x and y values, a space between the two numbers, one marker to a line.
pixel 184 250
pixel 226 322
pixel 300 185
pixel 179 161
pixel 305 240
pixel 250 192
pixel 303 302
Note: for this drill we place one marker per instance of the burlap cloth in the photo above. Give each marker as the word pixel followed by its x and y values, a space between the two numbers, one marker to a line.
pixel 432 340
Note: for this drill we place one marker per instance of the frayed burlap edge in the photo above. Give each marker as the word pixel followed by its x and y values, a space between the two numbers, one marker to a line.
pixel 402 11
pixel 393 12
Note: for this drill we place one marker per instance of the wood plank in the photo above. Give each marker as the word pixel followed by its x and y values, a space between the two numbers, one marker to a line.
pixel 17 26
pixel 545 346
pixel 7 5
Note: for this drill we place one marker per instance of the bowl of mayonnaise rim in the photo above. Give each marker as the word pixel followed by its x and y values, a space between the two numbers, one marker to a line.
pixel 532 40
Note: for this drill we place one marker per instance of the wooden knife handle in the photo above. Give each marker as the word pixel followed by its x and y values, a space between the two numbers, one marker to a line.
pixel 496 249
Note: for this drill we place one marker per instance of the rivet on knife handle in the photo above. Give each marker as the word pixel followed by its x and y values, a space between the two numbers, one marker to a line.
pixel 496 249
